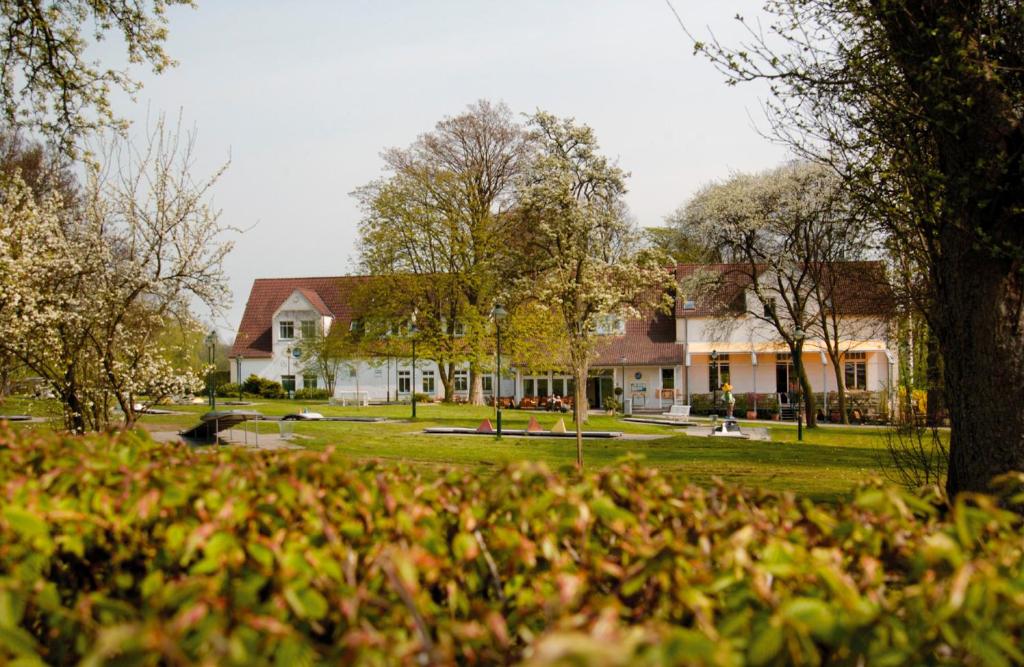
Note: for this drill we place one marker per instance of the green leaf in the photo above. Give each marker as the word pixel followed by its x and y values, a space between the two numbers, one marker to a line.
pixel 811 614
pixel 260 554
pixel 766 644
pixel 25 523
pixel 19 641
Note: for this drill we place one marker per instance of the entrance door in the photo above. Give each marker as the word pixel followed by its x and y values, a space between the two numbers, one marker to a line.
pixel 782 371
pixel 599 387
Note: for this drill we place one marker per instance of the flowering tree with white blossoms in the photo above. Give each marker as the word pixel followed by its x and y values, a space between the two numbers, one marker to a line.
pixel 91 290
pixel 583 252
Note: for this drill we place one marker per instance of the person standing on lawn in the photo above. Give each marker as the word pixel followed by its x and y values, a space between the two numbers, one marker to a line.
pixel 730 399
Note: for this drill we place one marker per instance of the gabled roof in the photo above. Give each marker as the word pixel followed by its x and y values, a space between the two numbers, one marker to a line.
pixel 649 339
pixel 315 301
pixel 330 296
pixel 724 292
pixel 861 289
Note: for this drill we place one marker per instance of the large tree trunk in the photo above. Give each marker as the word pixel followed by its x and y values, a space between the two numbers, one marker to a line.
pixel 74 411
pixel 936 408
pixel 476 385
pixel 805 388
pixel 447 373
pixel 982 335
pixel 580 406
pixel 837 369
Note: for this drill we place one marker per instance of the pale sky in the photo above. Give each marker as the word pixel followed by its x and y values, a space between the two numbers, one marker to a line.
pixel 303 96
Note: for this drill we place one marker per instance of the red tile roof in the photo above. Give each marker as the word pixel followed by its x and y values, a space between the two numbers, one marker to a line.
pixel 329 295
pixel 719 288
pixel 648 340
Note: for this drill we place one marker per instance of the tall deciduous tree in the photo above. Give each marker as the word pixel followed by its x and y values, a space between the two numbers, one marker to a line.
pixel 775 227
pixel 440 214
pixel 87 293
pixel 47 80
pixel 582 249
pixel 916 103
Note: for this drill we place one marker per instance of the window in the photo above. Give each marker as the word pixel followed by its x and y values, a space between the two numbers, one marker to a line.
pixel 769 307
pixel 288 382
pixel 461 380
pixel 668 378
pixel 458 329
pixel 856 368
pixel 404 382
pixel 609 325
pixel 689 304
pixel 309 381
pixel 428 382
pixel 488 383
pixel 308 328
pixel 355 325
pixel 529 387
pixel 718 372
pixel 287 330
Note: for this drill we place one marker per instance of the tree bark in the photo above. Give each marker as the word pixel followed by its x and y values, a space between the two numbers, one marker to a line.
pixel 936 407
pixel 580 406
pixel 476 385
pixel 982 339
pixel 837 368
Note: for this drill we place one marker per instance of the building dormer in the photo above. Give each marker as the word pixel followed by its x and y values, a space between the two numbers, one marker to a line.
pixel 302 315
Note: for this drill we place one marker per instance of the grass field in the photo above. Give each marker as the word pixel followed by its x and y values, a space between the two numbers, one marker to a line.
pixel 827 465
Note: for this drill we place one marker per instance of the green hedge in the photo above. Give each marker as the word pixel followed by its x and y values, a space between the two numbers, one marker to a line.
pixel 121 551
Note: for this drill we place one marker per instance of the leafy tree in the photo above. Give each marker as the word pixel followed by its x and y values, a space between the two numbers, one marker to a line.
pixel 582 250
pixel 441 214
pixel 676 241
pixel 916 104
pixel 47 80
pixel 86 294
pixel 788 232
pixel 327 352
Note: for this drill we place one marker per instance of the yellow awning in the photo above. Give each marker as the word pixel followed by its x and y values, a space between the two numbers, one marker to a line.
pixel 777 347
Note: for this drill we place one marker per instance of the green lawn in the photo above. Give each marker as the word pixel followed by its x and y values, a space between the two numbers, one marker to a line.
pixel 825 466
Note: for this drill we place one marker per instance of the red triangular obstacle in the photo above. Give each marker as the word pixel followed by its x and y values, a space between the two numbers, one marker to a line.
pixel 534 426
pixel 485 427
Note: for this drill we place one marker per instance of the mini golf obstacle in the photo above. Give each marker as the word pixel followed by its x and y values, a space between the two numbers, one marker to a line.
pixel 212 423
pixel 533 429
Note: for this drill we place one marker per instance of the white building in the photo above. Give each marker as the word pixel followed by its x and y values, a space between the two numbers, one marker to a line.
pixel 677 357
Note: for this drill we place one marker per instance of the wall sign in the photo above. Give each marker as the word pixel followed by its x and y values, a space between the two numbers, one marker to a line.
pixel 296 352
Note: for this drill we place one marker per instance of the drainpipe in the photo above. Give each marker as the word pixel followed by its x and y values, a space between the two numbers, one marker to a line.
pixel 686 356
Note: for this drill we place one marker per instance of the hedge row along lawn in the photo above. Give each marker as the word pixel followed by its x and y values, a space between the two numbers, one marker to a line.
pixel 115 550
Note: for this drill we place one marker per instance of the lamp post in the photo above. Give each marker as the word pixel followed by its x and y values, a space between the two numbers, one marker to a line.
pixel 211 347
pixel 238 375
pixel 799 336
pixel 718 377
pixel 412 385
pixel 499 314
pixel 622 370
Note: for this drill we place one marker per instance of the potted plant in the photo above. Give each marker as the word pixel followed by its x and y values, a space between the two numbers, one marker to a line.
pixel 751 402
pixel 612 404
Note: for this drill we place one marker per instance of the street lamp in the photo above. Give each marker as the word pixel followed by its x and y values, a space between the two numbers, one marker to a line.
pixel 499 314
pixel 238 375
pixel 798 337
pixel 211 347
pixel 412 386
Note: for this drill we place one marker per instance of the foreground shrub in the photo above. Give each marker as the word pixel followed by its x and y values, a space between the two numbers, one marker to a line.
pixel 117 550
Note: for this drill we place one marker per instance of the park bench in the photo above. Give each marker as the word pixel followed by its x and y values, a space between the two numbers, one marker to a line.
pixel 680 412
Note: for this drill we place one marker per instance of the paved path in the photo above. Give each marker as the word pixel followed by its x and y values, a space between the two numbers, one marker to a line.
pixel 267 441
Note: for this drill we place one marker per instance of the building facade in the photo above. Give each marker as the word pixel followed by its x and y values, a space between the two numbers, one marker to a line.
pixel 681 357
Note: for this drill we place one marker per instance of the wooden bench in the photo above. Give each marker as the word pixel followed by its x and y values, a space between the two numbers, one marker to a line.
pixel 678 412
